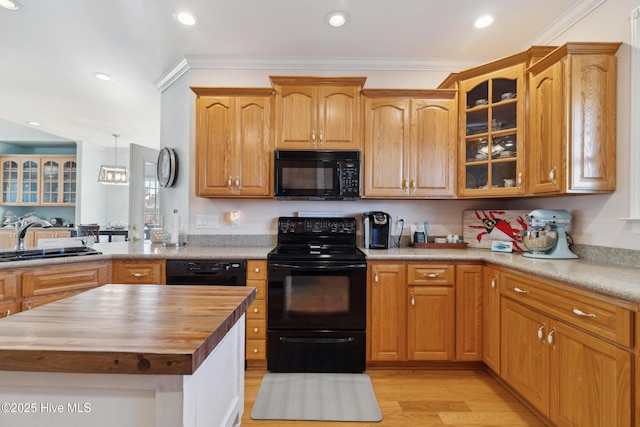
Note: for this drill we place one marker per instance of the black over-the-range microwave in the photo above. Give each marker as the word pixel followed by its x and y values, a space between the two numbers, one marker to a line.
pixel 317 174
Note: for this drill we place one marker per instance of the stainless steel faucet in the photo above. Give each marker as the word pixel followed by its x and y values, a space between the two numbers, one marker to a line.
pixel 22 226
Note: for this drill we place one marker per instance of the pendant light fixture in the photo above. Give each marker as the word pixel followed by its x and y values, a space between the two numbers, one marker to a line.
pixel 114 175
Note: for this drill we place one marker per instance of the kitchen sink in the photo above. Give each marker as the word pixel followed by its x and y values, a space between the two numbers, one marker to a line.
pixel 33 254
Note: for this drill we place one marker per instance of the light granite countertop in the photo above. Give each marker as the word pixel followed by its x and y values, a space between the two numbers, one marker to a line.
pixel 617 281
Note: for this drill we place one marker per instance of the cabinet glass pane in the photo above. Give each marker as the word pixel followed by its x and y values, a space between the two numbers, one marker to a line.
pixel 29 182
pixel 503 174
pixel 503 89
pixel 504 116
pixel 477 176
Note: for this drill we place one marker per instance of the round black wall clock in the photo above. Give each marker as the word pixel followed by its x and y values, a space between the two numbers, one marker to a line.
pixel 167 168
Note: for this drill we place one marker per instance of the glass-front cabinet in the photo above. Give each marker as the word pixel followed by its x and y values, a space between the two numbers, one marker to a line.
pixel 492 146
pixel 31 180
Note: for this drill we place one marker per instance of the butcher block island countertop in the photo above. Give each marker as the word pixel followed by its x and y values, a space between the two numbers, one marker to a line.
pixel 123 329
pixel 178 353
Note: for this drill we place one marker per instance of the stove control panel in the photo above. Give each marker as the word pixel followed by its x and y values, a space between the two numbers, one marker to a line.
pixel 296 225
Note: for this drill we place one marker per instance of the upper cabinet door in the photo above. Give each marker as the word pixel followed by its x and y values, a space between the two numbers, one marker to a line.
pixel 317 112
pixel 253 153
pixel 386 147
pixel 214 146
pixel 297 115
pixel 592 144
pixel 338 118
pixel 492 148
pixel 546 130
pixel 433 146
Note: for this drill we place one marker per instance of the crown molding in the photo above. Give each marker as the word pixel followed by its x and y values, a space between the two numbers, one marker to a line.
pixel 564 22
pixel 307 63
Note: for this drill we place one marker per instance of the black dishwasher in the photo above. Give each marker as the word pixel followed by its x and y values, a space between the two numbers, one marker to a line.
pixel 206 272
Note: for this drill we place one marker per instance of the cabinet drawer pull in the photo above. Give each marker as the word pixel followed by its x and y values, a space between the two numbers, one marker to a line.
pixel 255 310
pixel 255 350
pixel 520 291
pixel 7 313
pixel 139 274
pixel 431 275
pixel 257 270
pixel 255 330
pixel 581 313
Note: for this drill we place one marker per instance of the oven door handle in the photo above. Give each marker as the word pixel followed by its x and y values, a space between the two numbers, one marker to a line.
pixel 309 340
pixel 317 267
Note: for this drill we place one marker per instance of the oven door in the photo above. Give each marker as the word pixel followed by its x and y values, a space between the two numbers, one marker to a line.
pixel 320 295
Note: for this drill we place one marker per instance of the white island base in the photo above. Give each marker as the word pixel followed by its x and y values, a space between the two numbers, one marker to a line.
pixel 213 396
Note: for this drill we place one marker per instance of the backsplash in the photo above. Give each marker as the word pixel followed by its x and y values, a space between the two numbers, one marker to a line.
pixel 623 257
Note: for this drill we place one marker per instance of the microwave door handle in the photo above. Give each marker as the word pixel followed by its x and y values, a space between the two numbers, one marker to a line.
pixel 317 267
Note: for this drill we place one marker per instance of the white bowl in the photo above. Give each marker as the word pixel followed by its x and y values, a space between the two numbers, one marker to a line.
pixel 439 240
pixel 481 102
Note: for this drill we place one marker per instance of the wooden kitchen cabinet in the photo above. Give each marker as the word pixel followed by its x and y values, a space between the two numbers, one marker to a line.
pixel 491 318
pixel 7 238
pixel 8 293
pixel 565 354
pixel 20 180
pixel 492 149
pixel 34 180
pixel 233 142
pixel 572 120
pixel 40 286
pixel 138 271
pixel 469 313
pixel 317 112
pixel 256 332
pixel 409 143
pixel 431 313
pixel 59 180
pixel 33 235
pixel 386 311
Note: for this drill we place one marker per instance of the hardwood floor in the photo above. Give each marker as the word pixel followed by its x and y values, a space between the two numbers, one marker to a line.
pixel 423 398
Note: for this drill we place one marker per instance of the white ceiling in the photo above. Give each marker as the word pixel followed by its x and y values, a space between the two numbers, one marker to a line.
pixel 50 49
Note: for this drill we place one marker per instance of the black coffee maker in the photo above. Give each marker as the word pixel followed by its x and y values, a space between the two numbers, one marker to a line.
pixel 377 230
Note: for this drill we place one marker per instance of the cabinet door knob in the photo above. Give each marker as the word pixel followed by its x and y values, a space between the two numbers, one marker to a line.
pixel 493 283
pixel 255 310
pixel 257 269
pixel 520 181
pixel 313 136
pixel 7 313
pixel 255 350
pixel 581 313
pixel 413 300
pixel 230 182
pixel 375 276
pixel 238 182
pixel 255 330
pixel 321 137
pixel 552 175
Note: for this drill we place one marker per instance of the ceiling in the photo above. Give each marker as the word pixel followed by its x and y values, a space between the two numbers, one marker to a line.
pixel 51 49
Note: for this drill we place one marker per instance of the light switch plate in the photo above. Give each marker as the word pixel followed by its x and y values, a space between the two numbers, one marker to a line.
pixel 207 221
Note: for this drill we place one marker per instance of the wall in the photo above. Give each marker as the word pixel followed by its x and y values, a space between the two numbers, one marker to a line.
pixel 596 217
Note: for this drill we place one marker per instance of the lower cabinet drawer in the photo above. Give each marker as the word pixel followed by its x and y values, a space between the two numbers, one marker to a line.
pixel 257 310
pixel 256 349
pixel 256 328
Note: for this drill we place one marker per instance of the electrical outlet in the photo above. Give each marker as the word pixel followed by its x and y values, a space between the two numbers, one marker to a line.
pixel 401 222
pixel 207 221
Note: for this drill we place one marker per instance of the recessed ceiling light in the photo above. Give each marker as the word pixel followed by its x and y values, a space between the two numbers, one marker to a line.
pixel 483 21
pixel 337 18
pixel 29 122
pixel 103 76
pixel 185 18
pixel 9 5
